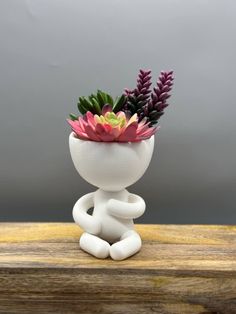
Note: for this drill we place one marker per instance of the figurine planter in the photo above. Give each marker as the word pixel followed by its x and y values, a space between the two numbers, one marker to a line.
pixel 111 147
pixel 111 167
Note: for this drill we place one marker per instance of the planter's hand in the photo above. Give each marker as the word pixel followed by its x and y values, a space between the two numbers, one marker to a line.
pixel 132 209
pixel 87 222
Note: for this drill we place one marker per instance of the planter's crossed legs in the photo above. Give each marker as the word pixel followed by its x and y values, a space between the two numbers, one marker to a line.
pixel 130 241
pixel 94 245
pixel 129 244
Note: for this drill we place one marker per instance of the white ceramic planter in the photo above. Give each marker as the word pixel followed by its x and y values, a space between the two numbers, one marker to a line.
pixel 111 167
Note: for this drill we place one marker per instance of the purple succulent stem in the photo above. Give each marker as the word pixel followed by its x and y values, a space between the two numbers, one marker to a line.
pixel 159 96
pixel 161 92
pixel 142 89
pixel 138 97
pixel 128 91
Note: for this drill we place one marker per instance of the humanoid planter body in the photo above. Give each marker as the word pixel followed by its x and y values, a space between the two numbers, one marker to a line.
pixel 111 166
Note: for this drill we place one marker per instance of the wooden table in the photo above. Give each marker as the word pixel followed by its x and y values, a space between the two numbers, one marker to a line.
pixel 180 269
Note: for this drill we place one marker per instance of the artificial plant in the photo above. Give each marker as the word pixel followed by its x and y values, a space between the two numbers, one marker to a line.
pixel 130 117
pixel 147 104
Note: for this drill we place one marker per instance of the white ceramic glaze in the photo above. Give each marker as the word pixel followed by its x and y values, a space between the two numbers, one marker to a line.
pixel 111 167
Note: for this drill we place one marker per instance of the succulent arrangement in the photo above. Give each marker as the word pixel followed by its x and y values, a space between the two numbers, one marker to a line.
pixel 131 117
pixel 111 127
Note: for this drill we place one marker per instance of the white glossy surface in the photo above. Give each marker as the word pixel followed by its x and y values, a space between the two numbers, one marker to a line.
pixel 111 167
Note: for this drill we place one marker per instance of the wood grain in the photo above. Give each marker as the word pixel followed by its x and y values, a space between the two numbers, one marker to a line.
pixel 180 269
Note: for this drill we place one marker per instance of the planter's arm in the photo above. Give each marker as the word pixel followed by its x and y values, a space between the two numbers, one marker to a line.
pixel 132 209
pixel 85 221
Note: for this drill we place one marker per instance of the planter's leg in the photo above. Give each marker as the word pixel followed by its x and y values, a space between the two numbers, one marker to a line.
pixel 94 245
pixel 129 244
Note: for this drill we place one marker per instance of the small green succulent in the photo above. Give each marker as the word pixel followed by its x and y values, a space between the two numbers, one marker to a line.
pixel 95 102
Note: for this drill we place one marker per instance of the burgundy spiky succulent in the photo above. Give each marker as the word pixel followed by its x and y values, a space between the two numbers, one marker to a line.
pixel 151 107
pixel 138 98
pixel 154 109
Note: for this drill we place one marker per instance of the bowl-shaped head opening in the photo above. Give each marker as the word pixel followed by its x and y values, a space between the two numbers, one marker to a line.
pixel 111 166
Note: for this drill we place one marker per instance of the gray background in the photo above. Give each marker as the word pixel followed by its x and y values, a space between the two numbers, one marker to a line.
pixel 52 51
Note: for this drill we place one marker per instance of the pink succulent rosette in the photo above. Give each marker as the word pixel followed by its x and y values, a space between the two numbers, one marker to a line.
pixel 111 127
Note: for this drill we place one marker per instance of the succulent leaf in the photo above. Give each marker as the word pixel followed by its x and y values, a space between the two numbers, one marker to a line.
pixel 100 99
pixel 96 105
pixel 88 103
pixel 81 108
pixel 119 103
pixel 109 99
pixel 73 117
pixel 103 96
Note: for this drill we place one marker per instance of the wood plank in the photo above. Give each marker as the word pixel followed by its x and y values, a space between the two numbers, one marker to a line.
pixel 69 232
pixel 152 256
pixel 180 269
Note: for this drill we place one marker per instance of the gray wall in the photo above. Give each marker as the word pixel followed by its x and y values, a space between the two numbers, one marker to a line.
pixel 52 51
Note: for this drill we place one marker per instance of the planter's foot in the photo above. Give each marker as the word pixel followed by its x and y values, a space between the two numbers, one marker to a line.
pixel 94 245
pixel 129 244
